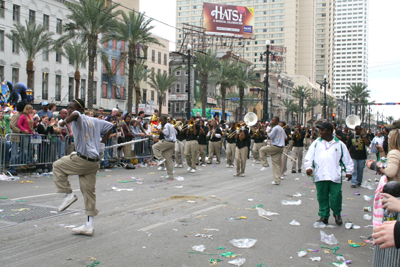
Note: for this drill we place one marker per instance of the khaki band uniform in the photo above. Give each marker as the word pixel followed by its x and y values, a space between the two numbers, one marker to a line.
pixel 214 147
pixel 276 157
pixel 297 154
pixel 256 150
pixel 191 153
pixel 284 161
pixel 230 153
pixel 165 149
pixel 179 151
pixel 241 156
pixel 203 153
pixel 87 170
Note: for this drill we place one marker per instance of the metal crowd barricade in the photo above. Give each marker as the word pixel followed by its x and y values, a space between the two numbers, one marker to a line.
pixel 31 149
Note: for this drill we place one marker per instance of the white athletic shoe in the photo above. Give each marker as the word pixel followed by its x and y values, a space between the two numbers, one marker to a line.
pixel 193 171
pixel 242 175
pixel 275 183
pixel 160 162
pixel 232 166
pixel 236 175
pixel 228 166
pixel 83 230
pixel 176 165
pixel 264 168
pixel 203 165
pixel 254 161
pixel 282 178
pixel 180 166
pixel 160 168
pixel 68 200
pixel 189 169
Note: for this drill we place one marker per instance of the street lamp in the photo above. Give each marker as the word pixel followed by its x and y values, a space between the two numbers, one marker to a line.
pixel 267 53
pixel 325 76
pixel 189 47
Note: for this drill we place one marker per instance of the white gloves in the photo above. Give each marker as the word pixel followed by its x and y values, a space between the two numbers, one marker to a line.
pixel 189 126
pixel 180 128
pixel 242 128
pixel 237 131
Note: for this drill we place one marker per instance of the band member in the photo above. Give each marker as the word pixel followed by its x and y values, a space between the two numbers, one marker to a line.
pixel 164 148
pixel 203 142
pixel 192 146
pixel 307 138
pixel 285 149
pixel 179 145
pixel 277 136
pixel 298 144
pixel 214 145
pixel 241 152
pixel 259 137
pixel 230 145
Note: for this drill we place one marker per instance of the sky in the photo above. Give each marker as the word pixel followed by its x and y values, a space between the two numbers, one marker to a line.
pixel 383 41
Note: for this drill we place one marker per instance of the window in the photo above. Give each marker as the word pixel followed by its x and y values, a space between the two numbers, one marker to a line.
pixel 46 22
pixel 1 40
pixel 70 89
pixel 123 69
pixel 153 56
pixel 114 64
pixel 122 46
pixel 104 90
pixel 32 16
pixel 164 100
pixel 186 88
pixel 95 62
pixel 58 57
pixel 165 59
pixel 2 8
pixel 122 93
pixel 45 55
pixel 113 91
pixel 178 73
pixel 58 88
pixel 16 13
pixel 45 85
pixel 82 93
pixel 159 57
pixel 152 95
pixel 15 47
pixel 94 92
pixel 59 26
pixel 1 72
pixel 176 107
pixel 144 97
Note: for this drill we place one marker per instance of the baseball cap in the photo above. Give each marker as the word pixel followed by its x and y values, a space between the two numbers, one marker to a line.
pixel 7 109
pixel 325 125
pixel 394 125
pixel 45 103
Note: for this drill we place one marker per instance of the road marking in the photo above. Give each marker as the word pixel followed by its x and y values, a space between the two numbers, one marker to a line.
pixel 43 195
pixel 163 223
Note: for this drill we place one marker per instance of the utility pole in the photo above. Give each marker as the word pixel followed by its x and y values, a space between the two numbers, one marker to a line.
pixel 266 78
pixel 325 76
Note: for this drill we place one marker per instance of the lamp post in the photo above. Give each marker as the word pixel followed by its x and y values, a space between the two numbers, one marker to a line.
pixel 189 47
pixel 325 76
pixel 347 101
pixel 267 53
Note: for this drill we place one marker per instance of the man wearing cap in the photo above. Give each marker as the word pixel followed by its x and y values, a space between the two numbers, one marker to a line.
pixel 45 111
pixel 324 161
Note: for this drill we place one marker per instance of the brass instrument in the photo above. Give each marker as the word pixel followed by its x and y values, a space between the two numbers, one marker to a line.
pixel 285 126
pixel 237 126
pixel 191 123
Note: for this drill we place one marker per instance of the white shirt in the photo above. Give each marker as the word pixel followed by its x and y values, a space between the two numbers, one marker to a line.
pixel 378 140
pixel 277 136
pixel 169 132
pixel 87 131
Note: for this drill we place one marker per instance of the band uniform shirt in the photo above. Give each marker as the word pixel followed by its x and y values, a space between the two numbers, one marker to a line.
pixel 181 135
pixel 227 133
pixel 217 135
pixel 356 147
pixel 277 136
pixel 240 143
pixel 259 137
pixel 169 132
pixel 87 131
pixel 288 132
pixel 191 136
pixel 203 137
pixel 299 139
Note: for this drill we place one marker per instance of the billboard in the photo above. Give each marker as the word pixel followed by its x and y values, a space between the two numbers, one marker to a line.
pixel 227 20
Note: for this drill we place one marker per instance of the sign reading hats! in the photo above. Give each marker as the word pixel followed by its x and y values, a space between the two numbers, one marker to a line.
pixel 227 20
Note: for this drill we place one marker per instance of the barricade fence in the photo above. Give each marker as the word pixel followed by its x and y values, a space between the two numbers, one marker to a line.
pixel 42 150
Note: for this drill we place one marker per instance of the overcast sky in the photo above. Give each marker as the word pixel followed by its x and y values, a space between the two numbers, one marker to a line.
pixel 384 46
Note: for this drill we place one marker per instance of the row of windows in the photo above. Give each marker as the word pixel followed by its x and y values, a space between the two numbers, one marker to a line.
pixel 153 57
pixel 177 107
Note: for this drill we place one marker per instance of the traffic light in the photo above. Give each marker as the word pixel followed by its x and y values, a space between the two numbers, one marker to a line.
pixel 333 116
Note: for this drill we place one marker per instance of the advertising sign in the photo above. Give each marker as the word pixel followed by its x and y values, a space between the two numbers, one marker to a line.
pixel 227 20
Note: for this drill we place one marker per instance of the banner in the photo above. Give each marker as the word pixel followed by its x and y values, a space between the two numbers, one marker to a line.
pixel 228 20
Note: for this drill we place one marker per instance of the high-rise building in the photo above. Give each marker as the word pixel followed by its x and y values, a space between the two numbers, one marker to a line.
pixel 350 55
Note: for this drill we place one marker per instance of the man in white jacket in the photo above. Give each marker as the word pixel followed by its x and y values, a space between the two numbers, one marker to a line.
pixel 328 156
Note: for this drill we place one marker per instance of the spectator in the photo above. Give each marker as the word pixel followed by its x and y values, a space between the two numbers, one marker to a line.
pixel 45 128
pixel 7 119
pixel 128 133
pixel 5 145
pixel 45 111
pixel 52 107
pixel 141 115
pixel 26 125
pixel 15 139
pixel 113 136
pixel 378 139
pixel 386 141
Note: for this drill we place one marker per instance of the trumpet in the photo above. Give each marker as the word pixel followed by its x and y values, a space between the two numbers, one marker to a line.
pixel 237 126
pixel 191 123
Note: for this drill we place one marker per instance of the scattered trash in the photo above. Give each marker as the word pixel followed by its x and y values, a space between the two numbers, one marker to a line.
pixel 53 211
pixel 119 190
pixel 23 209
pixel 355 245
pixel 213 196
pixel 199 248
pixel 340 258
pixel 301 253
pixel 243 243
pixel 4 198
pixel 315 258
pixel 178 186
pixel 328 239
pixel 294 222
pixel 20 200
pixel 70 226
pixel 297 195
pixel 367 217
pixel 237 262
pixel 4 177
pixel 179 178
pixel 257 206
pixel 214 261
pixel 250 199
pixel 291 202
pixel 367 198
pixel 191 201
pixel 296 179
pixel 220 248
pixel 369 185
pixel 210 229
pixel 228 254
pixel 262 212
pixel 312 250
pixel 237 218
pixel 368 209
pixel 204 236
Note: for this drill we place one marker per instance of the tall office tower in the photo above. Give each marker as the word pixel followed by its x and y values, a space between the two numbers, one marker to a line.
pixel 350 63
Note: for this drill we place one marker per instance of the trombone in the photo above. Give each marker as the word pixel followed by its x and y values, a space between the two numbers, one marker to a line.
pixel 191 123
pixel 237 126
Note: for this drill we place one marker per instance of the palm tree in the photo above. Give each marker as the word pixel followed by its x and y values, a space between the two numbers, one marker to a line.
pixel 287 104
pixel 390 119
pixel 77 56
pixel 206 63
pixel 162 82
pixel 139 74
pixel 88 19
pixel 135 28
pixel 311 104
pixel 301 93
pixel 224 77
pixel 330 104
pixel 357 92
pixel 245 77
pixel 34 40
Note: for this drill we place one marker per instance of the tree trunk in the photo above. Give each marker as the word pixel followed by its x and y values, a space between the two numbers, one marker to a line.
pixel 204 82
pixel 160 105
pixel 92 44
pixel 131 62
pixel 241 95
pixel 29 72
pixel 77 83
pixel 223 94
pixel 137 90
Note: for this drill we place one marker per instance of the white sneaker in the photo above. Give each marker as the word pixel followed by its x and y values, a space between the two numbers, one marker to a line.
pixel 83 230
pixel 258 162
pixel 254 161
pixel 264 168
pixel 275 183
pixel 282 178
pixel 228 166
pixel 242 175
pixel 180 166
pixel 68 200
pixel 193 171
pixel 164 169
pixel 160 162
pixel 203 165
pixel 189 169
pixel 176 165
pixel 236 175
pixel 160 168
pixel 232 166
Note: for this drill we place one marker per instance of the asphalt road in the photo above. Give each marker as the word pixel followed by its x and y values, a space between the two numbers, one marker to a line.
pixel 153 224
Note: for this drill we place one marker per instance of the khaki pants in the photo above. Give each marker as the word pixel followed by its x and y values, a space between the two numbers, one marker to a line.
pixel 164 150
pixel 241 156
pixel 74 165
pixel 179 151
pixel 297 154
pixel 214 148
pixel 191 150
pixel 276 155
pixel 203 153
pixel 284 161
pixel 306 143
pixel 290 147
pixel 230 153
pixel 256 150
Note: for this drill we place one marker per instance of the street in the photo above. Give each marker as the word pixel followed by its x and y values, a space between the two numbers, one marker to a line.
pixel 155 221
